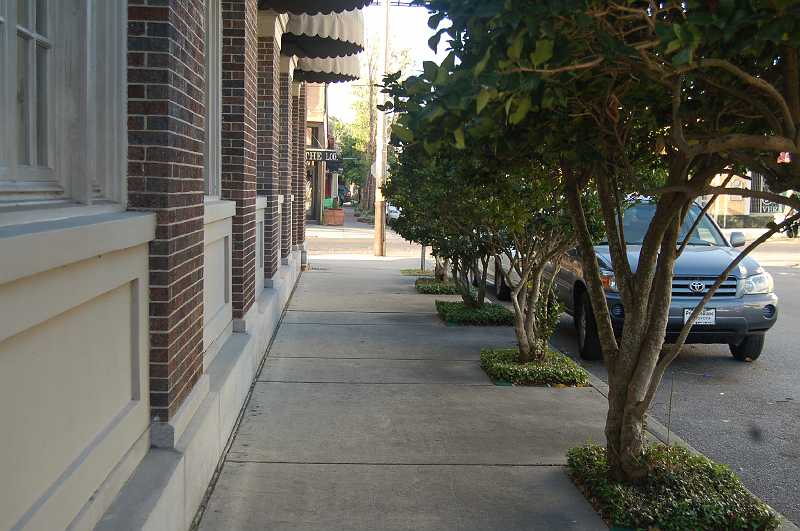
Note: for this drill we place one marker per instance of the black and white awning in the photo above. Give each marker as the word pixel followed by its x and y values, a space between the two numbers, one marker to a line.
pixel 312 7
pixel 329 70
pixel 324 36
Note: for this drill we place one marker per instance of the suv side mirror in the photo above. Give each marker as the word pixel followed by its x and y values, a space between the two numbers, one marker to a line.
pixel 738 239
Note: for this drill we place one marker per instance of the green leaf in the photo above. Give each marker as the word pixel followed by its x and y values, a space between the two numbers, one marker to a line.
pixel 460 140
pixel 508 105
pixel 445 69
pixel 683 57
pixel 673 46
pixel 435 114
pixel 523 107
pixel 435 20
pixel 433 42
pixel 481 66
pixel 403 133
pixel 429 69
pixel 483 99
pixel 515 50
pixel 543 52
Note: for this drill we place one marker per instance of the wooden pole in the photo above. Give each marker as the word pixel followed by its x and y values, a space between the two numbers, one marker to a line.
pixel 379 242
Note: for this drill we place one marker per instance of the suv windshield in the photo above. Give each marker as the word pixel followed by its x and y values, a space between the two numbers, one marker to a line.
pixel 636 219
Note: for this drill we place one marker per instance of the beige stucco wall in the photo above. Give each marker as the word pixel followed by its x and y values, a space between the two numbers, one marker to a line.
pixel 73 365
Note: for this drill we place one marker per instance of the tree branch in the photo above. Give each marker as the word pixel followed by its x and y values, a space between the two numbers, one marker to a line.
pixel 734 142
pixel 550 71
pixel 758 194
pixel 758 83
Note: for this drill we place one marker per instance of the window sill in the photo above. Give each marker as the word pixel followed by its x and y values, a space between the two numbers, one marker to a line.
pixel 217 209
pixel 24 213
pixel 32 248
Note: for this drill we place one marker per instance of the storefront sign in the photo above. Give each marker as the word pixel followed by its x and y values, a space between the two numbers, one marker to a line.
pixel 322 155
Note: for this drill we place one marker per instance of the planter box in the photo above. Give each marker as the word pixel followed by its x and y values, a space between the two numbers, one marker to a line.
pixel 334 216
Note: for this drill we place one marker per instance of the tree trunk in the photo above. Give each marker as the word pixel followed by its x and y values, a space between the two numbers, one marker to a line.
pixel 532 301
pixel 481 276
pixel 624 437
pixel 461 278
pixel 641 346
pixel 440 269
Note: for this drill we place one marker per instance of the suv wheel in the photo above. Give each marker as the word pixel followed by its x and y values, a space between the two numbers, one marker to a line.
pixel 749 349
pixel 588 339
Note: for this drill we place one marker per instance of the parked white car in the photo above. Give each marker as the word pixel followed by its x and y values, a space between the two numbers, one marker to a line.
pixel 392 212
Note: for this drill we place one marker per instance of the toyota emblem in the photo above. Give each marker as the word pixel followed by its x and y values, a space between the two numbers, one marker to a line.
pixel 697 286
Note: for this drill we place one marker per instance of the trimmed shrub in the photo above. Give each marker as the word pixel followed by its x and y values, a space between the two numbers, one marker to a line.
pixel 683 491
pixel 487 315
pixel 555 369
pixel 431 286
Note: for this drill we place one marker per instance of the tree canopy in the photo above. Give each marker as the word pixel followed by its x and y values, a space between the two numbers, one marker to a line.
pixel 618 99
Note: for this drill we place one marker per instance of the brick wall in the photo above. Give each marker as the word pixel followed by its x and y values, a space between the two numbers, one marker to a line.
pixel 286 166
pixel 299 185
pixel 165 175
pixel 239 141
pixel 268 181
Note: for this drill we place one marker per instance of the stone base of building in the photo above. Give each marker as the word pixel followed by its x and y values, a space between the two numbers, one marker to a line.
pixel 167 488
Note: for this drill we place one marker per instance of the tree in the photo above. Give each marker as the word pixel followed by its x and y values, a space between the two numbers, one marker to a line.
pixel 475 203
pixel 444 209
pixel 631 98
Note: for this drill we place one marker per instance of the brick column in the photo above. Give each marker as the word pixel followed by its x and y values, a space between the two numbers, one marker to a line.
pixel 286 166
pixel 299 181
pixel 165 175
pixel 268 178
pixel 239 113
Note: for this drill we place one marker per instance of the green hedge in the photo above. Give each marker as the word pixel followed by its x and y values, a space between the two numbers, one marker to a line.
pixel 486 315
pixel 555 369
pixel 431 286
pixel 683 491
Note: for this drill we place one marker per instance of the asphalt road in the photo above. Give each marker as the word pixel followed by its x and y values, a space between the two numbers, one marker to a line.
pixel 746 415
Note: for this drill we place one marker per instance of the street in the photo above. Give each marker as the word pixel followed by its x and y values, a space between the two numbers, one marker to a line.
pixel 746 415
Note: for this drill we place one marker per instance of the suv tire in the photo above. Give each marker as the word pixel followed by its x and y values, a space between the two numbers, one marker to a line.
pixel 588 340
pixel 749 349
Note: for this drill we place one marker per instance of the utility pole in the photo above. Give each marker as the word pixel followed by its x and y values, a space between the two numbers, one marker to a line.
pixel 379 245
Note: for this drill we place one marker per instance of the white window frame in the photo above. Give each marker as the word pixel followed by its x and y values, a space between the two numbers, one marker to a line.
pixel 86 105
pixel 213 100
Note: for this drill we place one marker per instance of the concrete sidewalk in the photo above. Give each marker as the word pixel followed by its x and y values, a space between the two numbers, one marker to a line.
pixel 370 414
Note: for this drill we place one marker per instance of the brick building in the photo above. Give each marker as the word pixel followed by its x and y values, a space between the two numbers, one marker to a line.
pixel 152 185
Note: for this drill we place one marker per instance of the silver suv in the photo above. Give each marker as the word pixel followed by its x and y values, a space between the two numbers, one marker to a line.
pixel 739 314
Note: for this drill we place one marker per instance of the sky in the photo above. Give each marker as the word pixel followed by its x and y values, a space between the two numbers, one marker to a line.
pixel 408 28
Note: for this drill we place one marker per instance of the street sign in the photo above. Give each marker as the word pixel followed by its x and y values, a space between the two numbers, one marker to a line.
pixel 322 155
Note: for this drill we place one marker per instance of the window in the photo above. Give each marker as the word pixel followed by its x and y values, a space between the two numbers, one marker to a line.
pixel 62 102
pixel 213 99
pixel 26 55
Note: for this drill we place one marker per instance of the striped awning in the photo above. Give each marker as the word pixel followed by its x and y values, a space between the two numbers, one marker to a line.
pixel 323 36
pixel 312 7
pixel 329 70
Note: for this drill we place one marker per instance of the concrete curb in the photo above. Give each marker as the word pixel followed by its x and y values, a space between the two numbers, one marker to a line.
pixel 656 429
